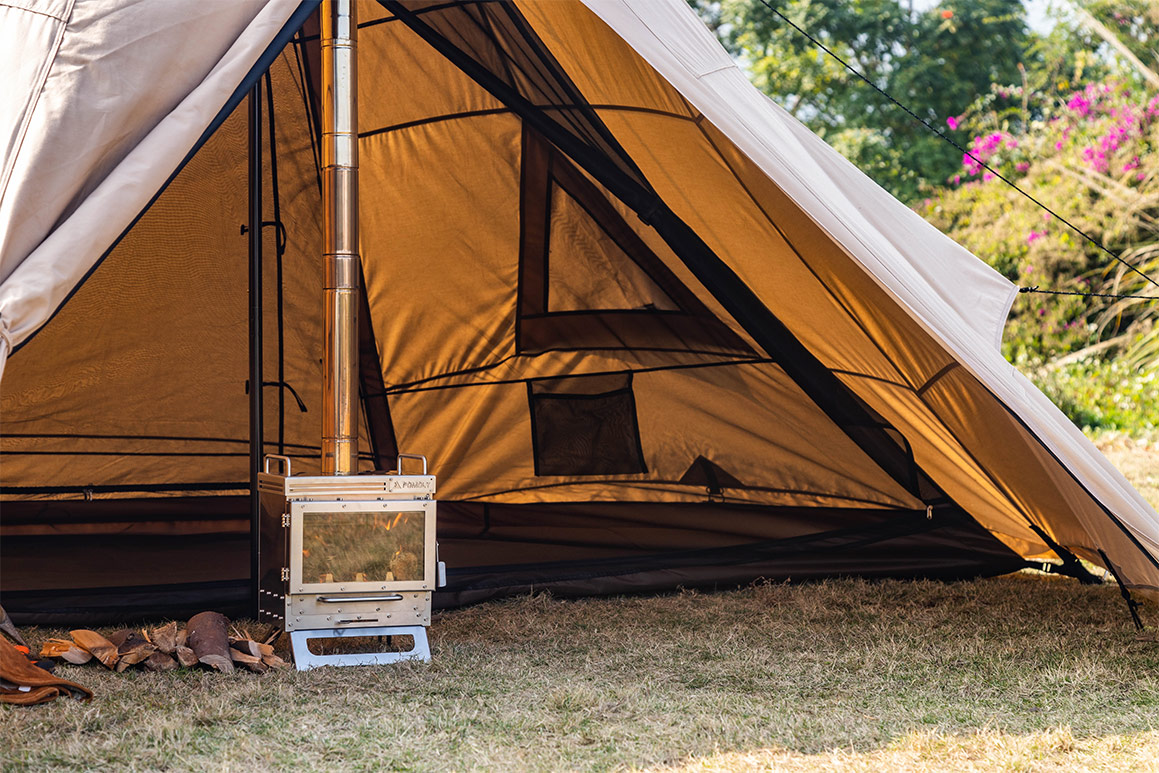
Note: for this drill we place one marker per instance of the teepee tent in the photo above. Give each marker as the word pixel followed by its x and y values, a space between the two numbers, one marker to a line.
pixel 649 330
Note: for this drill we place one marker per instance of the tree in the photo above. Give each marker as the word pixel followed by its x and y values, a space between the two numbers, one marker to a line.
pixel 935 62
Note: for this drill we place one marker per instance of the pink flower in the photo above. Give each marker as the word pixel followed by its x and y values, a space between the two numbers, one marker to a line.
pixel 1022 166
pixel 952 122
pixel 1095 159
pixel 1034 236
pixel 1079 104
pixel 1140 176
pixel 988 176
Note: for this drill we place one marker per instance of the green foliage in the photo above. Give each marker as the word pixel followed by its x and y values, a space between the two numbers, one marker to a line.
pixel 1070 116
pixel 928 61
pixel 1100 394
pixel 1133 22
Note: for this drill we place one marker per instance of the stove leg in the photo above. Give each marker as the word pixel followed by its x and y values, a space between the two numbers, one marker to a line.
pixel 305 660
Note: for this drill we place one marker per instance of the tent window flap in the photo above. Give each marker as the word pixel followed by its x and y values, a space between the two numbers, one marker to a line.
pixel 586 278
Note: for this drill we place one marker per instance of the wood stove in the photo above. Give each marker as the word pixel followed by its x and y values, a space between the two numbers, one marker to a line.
pixel 343 556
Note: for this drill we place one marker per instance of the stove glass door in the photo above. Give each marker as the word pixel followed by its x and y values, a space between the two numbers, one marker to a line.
pixel 360 545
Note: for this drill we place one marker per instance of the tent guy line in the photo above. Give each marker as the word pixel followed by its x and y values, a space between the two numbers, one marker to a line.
pixel 1035 289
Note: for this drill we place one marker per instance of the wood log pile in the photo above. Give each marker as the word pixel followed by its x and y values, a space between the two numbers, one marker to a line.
pixel 207 639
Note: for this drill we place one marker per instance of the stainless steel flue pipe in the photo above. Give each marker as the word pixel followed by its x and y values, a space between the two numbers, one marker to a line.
pixel 340 237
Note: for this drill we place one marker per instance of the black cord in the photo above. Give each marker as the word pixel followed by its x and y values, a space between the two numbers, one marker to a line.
pixel 1132 605
pixel 280 243
pixel 950 140
pixel 1034 289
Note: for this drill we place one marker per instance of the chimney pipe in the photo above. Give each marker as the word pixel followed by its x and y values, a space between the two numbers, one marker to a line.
pixel 340 238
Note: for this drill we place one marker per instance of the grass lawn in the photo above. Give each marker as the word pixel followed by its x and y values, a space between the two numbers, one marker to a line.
pixel 1023 672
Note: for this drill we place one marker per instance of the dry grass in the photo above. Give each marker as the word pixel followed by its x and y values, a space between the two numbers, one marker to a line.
pixel 1016 673
pixel 1046 751
pixel 1024 673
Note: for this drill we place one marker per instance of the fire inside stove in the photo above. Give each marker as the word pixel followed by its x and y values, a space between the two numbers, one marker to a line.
pixel 363 547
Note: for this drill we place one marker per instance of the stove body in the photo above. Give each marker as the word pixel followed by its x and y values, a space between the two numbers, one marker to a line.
pixel 343 556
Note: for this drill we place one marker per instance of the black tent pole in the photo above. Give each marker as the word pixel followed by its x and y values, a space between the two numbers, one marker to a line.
pixel 257 430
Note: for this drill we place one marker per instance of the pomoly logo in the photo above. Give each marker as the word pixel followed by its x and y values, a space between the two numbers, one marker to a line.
pixel 408 484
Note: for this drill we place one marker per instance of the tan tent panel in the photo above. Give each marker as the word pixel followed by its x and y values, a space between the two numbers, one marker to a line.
pixel 649 331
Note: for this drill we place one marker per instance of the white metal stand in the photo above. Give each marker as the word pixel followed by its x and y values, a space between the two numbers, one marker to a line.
pixel 305 660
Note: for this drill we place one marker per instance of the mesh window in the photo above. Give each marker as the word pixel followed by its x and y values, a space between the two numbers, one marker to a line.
pixel 585 426
pixel 587 269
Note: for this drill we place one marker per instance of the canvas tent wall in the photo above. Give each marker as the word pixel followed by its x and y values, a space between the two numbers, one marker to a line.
pixel 649 329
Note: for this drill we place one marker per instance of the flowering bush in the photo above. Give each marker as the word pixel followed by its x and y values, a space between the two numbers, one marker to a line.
pixel 1090 155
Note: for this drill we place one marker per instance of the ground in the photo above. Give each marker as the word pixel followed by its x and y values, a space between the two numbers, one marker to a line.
pixel 1024 672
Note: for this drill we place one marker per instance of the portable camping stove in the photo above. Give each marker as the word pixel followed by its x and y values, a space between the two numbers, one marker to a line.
pixel 348 556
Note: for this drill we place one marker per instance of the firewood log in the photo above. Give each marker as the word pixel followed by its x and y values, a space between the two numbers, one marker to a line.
pixel 165 637
pixel 130 643
pixel 186 657
pixel 101 648
pixel 134 649
pixel 118 637
pixel 208 640
pixel 54 648
pixel 160 661
pixel 248 646
pixel 273 661
pixel 251 662
pixel 9 628
pixel 62 648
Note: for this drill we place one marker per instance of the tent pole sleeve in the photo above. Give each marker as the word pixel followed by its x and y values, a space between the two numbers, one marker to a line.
pixel 256 380
pixel 341 270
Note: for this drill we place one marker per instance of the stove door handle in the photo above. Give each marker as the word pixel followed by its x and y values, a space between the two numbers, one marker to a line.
pixel 340 599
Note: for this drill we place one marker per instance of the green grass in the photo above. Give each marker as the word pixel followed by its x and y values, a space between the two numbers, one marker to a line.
pixel 1024 672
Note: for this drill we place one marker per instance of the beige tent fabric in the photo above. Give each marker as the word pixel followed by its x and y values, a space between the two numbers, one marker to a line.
pixel 85 86
pixel 957 298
